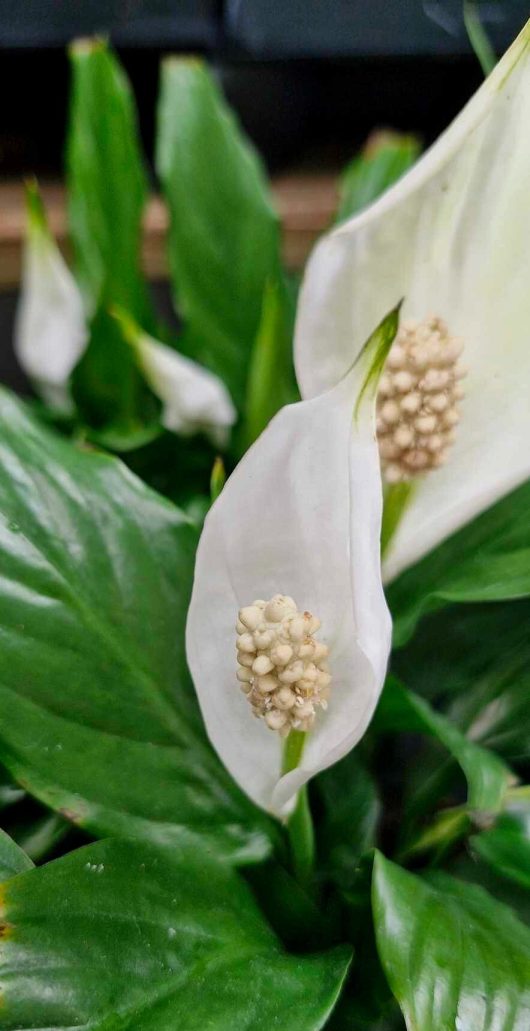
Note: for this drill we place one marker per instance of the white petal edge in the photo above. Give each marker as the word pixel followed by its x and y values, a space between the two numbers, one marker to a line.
pixel 451 237
pixel 300 515
pixel 193 398
pixel 50 327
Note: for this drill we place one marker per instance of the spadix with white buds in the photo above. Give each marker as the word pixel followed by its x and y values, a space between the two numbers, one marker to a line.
pixel 288 621
pixel 451 238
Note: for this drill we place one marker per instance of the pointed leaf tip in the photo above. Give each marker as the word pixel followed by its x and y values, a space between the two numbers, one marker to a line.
pixel 375 353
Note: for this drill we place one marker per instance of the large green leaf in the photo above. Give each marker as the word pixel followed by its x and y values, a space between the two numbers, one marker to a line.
pixel 454 956
pixel 143 938
pixel 107 189
pixel 348 822
pixel 455 658
pixel 12 859
pixel 506 846
pixel 488 560
pixel 384 159
pixel 97 718
pixel 487 775
pixel 224 234
pixel 271 381
pixel 107 185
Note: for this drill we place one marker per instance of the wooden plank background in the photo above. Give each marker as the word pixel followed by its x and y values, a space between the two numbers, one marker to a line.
pixel 305 203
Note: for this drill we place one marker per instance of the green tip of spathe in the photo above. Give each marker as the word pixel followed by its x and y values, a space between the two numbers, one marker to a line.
pixel 130 329
pixel 35 209
pixel 85 46
pixel 217 478
pixel 177 61
pixel 375 353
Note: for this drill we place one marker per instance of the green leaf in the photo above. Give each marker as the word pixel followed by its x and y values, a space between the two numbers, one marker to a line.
pixel 97 715
pixel 139 937
pixel 488 560
pixel 12 859
pixel 506 846
pixel 348 823
pixel 110 393
pixel 478 36
pixel 383 160
pixel 487 776
pixel 107 184
pixel 455 658
pixel 271 382
pixel 454 956
pixel 107 190
pixel 40 833
pixel 224 242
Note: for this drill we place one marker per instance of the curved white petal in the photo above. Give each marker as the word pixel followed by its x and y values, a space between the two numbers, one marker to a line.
pixel 300 515
pixel 451 238
pixel 193 398
pixel 50 327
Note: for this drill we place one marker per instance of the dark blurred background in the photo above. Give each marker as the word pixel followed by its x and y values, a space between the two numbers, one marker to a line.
pixel 310 79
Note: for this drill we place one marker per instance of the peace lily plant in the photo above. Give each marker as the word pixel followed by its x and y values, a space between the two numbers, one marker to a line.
pixel 451 239
pixel 218 808
pixel 52 332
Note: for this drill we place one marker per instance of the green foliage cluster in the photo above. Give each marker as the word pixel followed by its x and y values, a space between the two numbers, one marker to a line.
pixel 162 898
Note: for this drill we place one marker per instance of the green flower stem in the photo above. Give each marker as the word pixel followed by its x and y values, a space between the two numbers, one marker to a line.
pixel 300 824
pixel 478 37
pixel 396 499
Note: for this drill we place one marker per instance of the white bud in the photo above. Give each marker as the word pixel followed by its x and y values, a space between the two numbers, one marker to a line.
pixel 262 665
pixel 281 654
pixel 275 719
pixel 245 659
pixel 251 616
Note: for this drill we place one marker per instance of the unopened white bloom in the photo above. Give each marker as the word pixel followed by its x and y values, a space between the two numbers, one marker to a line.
pixel 451 238
pixel 288 569
pixel 50 327
pixel 193 398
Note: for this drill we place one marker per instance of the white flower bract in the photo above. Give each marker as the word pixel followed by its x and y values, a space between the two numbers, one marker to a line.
pixel 193 398
pixel 451 238
pixel 301 514
pixel 50 328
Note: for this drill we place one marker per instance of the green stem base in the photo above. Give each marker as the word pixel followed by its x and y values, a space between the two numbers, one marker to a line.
pixel 300 824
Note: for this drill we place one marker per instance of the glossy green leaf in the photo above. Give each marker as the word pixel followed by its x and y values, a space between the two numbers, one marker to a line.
pixel 348 822
pixel 488 777
pixel 107 191
pixel 12 858
pixel 110 394
pixel 454 956
pixel 10 792
pixel 107 184
pixel 138 937
pixel 224 233
pixel 97 716
pixel 478 36
pixel 384 159
pixel 40 833
pixel 506 846
pixel 456 659
pixel 488 560
pixel 271 383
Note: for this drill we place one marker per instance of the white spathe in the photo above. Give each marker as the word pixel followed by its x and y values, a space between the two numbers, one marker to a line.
pixel 301 516
pixel 452 239
pixel 50 327
pixel 193 398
